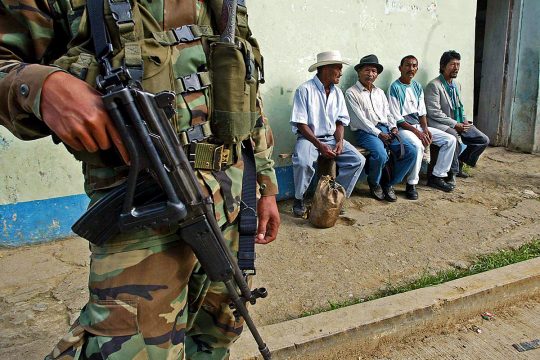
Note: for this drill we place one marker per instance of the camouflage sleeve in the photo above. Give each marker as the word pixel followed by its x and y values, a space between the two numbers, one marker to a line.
pixel 26 29
pixel 263 146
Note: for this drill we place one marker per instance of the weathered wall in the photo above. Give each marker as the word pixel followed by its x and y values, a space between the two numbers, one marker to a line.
pixel 291 34
pixel 525 119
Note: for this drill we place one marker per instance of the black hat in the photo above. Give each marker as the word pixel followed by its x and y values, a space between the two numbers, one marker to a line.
pixel 369 60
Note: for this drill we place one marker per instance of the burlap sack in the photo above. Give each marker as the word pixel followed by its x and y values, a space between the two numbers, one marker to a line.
pixel 327 202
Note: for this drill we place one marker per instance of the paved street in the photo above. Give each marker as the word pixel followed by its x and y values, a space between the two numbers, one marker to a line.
pixel 476 339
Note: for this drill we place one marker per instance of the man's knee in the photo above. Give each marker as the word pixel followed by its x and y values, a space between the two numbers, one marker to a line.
pixel 411 151
pixel 452 132
pixel 357 160
pixel 485 138
pixel 378 154
pixel 449 141
pixel 303 163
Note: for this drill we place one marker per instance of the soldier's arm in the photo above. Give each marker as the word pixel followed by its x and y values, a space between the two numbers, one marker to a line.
pixel 267 211
pixel 43 99
pixel 26 30
pixel 263 141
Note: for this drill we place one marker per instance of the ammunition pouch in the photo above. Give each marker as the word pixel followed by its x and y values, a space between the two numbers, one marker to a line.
pixel 234 91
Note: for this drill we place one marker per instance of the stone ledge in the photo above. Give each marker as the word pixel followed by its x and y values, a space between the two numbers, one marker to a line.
pixel 397 316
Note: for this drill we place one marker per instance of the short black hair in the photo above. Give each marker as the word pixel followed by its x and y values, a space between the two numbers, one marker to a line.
pixel 407 58
pixel 446 57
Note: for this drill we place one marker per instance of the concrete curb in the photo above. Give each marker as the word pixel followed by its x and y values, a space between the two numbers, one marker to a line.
pixel 394 317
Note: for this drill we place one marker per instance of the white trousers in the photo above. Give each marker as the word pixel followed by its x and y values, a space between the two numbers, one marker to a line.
pixel 447 145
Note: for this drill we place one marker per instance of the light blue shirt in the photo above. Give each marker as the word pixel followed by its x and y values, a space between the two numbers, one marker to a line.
pixel 320 113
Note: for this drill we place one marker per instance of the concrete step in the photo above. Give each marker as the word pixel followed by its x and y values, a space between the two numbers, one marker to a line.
pixel 395 317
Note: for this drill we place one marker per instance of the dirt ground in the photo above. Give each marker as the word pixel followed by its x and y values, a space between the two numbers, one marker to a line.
pixel 374 244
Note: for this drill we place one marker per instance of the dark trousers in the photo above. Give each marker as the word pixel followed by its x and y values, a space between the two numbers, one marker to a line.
pixel 476 142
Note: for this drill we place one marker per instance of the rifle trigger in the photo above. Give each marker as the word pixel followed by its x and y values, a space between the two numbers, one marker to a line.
pixel 165 101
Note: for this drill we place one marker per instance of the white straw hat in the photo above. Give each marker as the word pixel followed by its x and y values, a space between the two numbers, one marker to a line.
pixel 327 58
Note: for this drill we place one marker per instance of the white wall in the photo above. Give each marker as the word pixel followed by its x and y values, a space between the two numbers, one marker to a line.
pixel 291 33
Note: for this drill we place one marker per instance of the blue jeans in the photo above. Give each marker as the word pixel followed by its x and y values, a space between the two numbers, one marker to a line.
pixel 378 156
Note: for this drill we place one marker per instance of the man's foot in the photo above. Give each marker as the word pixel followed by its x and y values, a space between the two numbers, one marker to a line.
pixel 376 191
pixel 299 209
pixel 410 192
pixel 439 183
pixel 461 173
pixel 389 194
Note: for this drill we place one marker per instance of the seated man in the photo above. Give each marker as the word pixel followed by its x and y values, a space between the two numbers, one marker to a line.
pixel 318 119
pixel 406 99
pixel 374 128
pixel 445 112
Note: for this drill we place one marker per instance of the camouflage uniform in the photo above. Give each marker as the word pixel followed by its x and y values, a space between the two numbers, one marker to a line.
pixel 149 299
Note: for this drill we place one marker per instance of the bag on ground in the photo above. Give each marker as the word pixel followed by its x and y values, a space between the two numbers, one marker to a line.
pixel 327 202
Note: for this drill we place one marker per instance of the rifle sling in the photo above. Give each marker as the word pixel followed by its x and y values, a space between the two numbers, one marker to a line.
pixel 102 46
pixel 247 223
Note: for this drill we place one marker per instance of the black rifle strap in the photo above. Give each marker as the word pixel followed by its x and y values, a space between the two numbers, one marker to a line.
pixel 97 27
pixel 247 223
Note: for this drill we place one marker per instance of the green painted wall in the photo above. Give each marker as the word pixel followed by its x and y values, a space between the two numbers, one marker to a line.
pixel 291 33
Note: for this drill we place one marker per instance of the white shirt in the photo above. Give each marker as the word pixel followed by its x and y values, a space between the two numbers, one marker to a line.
pixel 411 104
pixel 312 107
pixel 368 108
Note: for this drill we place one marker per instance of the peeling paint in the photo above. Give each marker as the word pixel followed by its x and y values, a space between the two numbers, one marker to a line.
pixel 40 220
pixel 393 6
pixel 432 9
pixel 4 143
pixel 411 7
pixel 54 225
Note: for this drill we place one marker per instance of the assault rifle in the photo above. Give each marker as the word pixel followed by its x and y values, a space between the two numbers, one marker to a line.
pixel 168 193
pixel 161 188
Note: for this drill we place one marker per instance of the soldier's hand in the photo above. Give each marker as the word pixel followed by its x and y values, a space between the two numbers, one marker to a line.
pixel 74 111
pixel 269 220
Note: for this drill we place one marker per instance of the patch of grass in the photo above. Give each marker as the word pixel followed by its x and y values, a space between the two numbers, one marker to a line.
pixel 483 263
pixel 466 169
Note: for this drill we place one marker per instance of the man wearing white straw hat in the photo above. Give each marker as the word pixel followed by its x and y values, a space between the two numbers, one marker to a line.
pixel 318 119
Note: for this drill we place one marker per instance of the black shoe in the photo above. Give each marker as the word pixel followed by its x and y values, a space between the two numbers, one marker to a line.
pixel 389 194
pixel 439 183
pixel 450 179
pixel 462 174
pixel 376 191
pixel 410 192
pixel 299 209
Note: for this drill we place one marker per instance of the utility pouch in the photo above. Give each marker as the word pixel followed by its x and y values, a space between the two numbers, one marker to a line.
pixel 234 95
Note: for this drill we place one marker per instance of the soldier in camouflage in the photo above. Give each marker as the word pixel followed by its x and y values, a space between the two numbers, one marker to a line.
pixel 149 298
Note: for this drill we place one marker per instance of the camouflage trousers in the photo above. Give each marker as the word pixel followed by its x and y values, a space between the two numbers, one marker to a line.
pixel 151 303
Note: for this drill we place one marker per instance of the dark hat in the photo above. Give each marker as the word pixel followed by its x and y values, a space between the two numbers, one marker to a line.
pixel 369 60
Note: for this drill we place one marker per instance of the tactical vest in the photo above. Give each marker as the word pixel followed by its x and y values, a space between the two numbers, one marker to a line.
pixel 216 84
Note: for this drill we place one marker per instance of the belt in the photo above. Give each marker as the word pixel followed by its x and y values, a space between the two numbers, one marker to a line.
pixel 208 156
pixel 201 153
